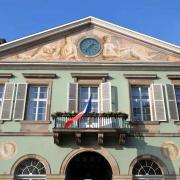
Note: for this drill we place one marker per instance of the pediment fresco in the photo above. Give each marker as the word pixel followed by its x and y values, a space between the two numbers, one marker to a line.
pixel 100 45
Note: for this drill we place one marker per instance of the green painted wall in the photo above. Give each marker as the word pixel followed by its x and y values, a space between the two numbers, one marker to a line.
pixel 54 154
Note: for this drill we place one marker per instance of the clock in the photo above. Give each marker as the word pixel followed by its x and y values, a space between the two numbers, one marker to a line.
pixel 90 47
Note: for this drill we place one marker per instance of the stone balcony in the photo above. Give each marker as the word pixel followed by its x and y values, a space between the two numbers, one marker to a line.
pixel 98 125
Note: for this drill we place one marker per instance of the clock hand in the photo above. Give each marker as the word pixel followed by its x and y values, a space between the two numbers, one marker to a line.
pixel 91 45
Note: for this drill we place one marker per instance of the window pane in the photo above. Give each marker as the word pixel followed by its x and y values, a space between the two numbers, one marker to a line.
pixel 33 91
pixel 146 111
pixel 144 93
pixel 1 90
pixel 43 93
pixel 135 93
pixel 31 110
pixel 41 117
pixel 94 92
pixel 136 111
pixel 94 107
pixel 84 93
pixel 82 106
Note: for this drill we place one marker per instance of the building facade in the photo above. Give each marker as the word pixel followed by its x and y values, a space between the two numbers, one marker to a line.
pixel 133 130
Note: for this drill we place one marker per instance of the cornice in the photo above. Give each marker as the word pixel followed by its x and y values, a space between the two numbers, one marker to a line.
pixel 123 66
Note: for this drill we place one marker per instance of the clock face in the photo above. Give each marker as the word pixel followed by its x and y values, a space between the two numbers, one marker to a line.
pixel 90 47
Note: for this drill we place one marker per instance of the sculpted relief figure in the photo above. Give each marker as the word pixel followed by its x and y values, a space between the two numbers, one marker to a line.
pixel 57 51
pixel 69 50
pixel 46 51
pixel 112 51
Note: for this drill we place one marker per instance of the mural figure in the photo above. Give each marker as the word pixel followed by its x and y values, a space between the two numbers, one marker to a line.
pixel 69 50
pixel 46 51
pixel 111 51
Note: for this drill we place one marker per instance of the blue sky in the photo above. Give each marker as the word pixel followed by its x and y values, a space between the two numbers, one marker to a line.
pixel 157 18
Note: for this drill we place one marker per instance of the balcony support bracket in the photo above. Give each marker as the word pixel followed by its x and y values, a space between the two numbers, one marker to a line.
pixel 78 138
pixel 100 138
pixel 122 139
pixel 56 138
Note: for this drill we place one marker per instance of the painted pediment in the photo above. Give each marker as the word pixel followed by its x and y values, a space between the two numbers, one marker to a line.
pixel 91 43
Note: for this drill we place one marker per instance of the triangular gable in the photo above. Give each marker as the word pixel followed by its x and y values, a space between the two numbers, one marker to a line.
pixel 63 44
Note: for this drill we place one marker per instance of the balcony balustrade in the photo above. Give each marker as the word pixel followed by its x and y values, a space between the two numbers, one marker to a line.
pixel 102 124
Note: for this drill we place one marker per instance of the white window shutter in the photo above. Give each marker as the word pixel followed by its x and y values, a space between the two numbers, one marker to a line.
pixel 106 102
pixel 20 101
pixel 73 97
pixel 151 103
pixel 7 103
pixel 172 104
pixel 158 102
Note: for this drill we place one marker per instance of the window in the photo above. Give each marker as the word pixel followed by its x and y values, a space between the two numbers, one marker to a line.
pixel 37 102
pixel 30 169
pixel 79 94
pixel 177 93
pixel 84 94
pixel 140 103
pixel 147 169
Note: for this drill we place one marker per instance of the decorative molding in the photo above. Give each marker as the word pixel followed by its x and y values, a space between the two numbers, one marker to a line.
pixel 86 65
pixel 89 75
pixel 35 156
pixel 7 150
pixel 148 156
pixel 6 75
pixel 131 134
pixel 170 150
pixel 102 151
pixel 26 134
pixel 173 76
pixel 81 24
pixel 90 78
pixel 39 75
pixel 140 76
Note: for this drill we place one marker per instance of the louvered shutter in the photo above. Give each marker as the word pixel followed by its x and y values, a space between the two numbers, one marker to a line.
pixel 151 103
pixel 172 104
pixel 7 104
pixel 20 100
pixel 106 102
pixel 73 97
pixel 158 102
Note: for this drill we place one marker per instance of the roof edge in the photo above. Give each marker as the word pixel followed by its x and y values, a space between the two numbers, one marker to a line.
pixel 98 22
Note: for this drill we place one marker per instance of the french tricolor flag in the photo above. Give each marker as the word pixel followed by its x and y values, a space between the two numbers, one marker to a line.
pixel 86 110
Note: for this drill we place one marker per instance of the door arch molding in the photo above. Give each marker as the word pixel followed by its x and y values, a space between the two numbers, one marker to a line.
pixel 103 152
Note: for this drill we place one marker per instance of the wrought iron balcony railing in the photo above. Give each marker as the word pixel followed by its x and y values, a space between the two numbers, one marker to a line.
pixel 93 120
pixel 97 125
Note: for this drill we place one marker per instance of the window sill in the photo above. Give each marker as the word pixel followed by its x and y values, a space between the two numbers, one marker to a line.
pixel 34 126
pixel 144 122
pixel 35 122
pixel 177 123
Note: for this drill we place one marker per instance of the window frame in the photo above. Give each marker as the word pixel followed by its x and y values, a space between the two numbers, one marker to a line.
pixel 37 100
pixel 89 86
pixel 40 82
pixel 141 101
pixel 136 81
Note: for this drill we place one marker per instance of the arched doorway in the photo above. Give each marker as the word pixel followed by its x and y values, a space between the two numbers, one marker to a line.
pixel 88 166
